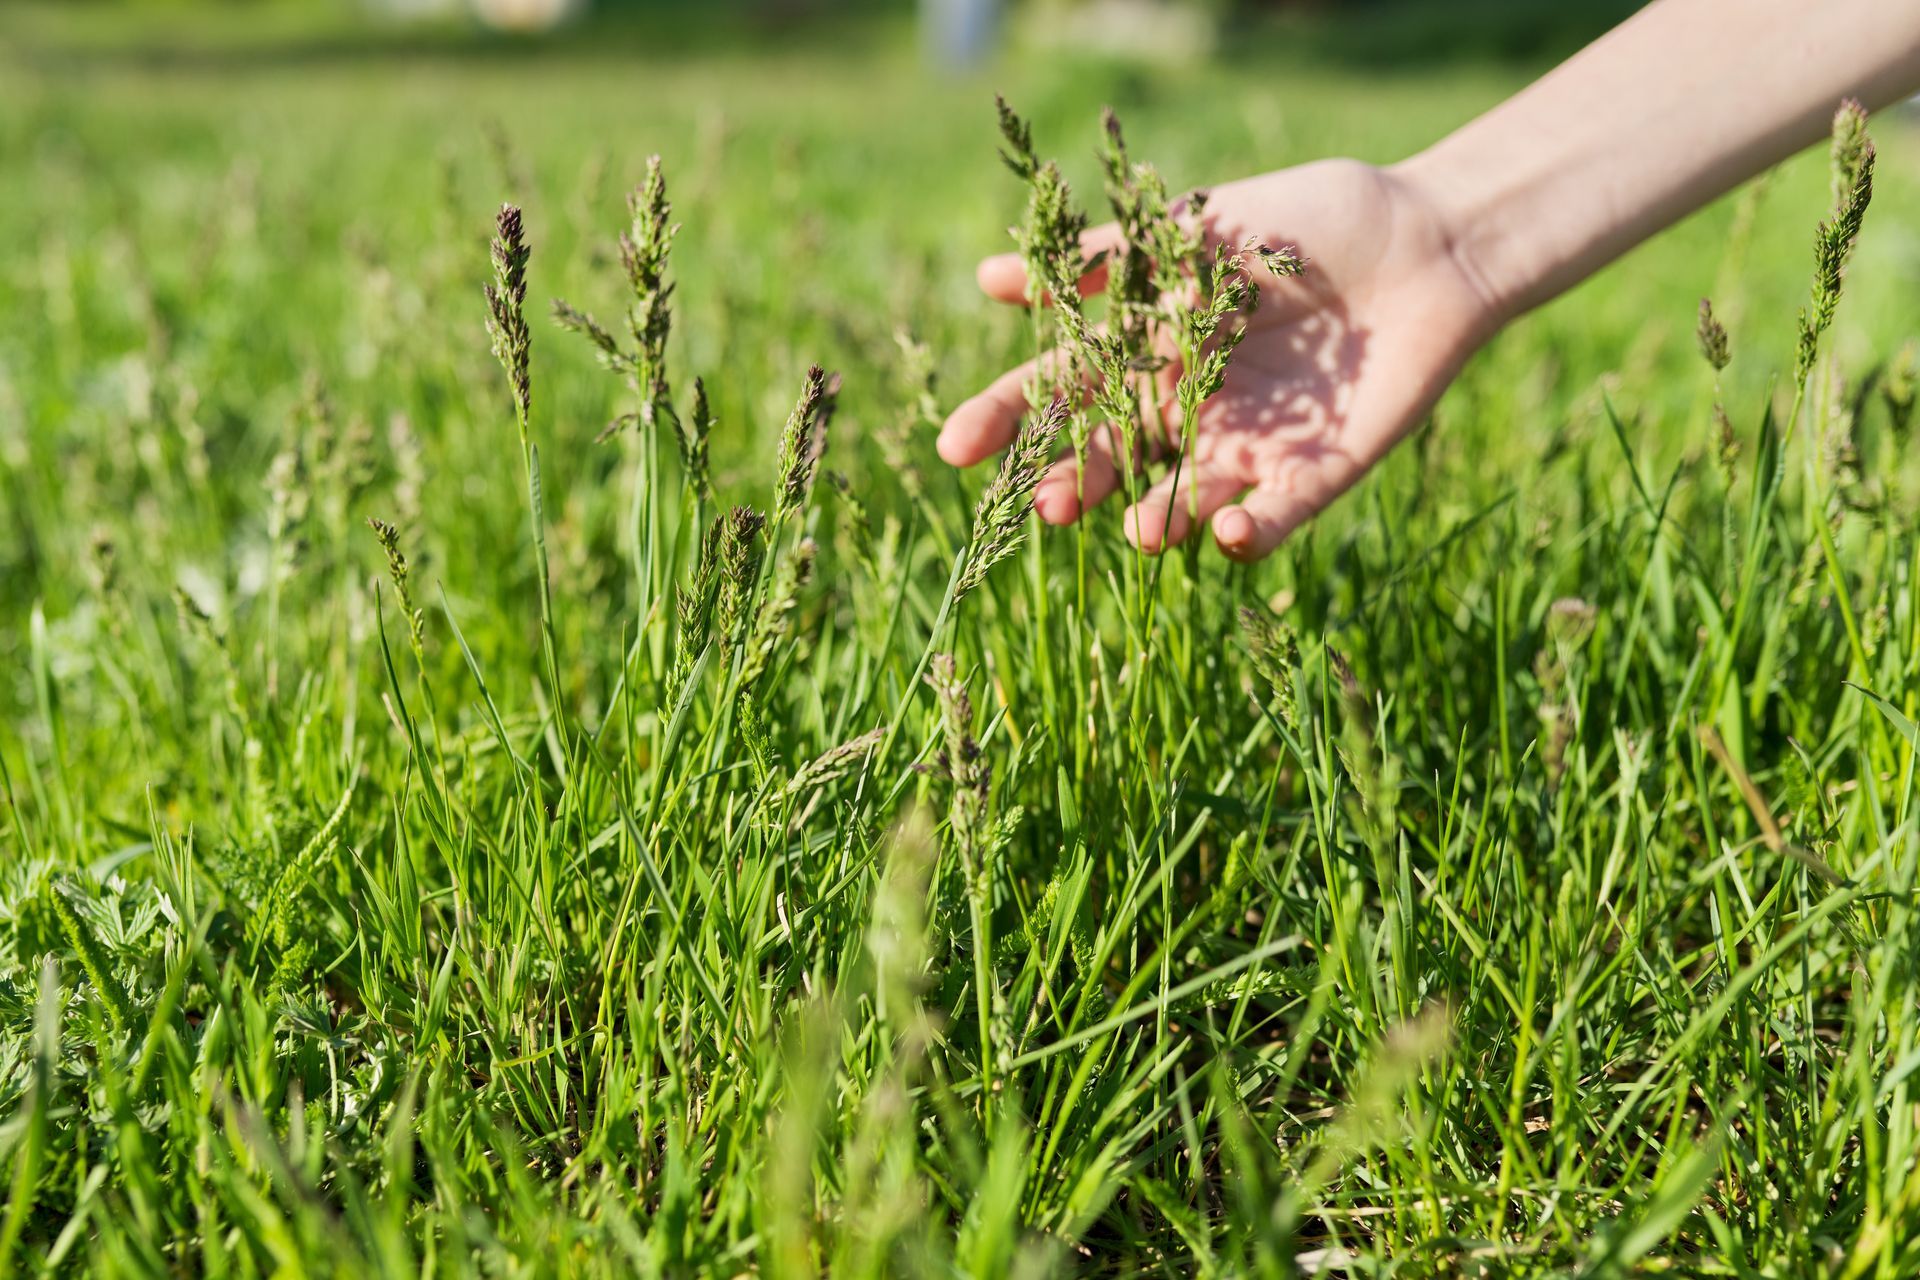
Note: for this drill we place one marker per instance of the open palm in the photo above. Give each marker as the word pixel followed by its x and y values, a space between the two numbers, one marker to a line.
pixel 1338 363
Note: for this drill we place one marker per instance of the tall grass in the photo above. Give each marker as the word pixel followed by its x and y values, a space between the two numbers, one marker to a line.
pixel 651 859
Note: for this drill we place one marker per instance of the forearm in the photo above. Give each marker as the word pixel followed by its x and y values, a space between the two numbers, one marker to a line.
pixel 1675 106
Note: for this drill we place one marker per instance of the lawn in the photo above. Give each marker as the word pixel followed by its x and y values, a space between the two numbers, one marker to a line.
pixel 586 878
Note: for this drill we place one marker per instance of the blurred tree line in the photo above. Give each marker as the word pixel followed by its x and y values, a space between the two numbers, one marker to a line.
pixel 1357 32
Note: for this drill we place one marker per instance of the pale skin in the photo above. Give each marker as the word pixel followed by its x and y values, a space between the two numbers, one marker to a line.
pixel 1412 267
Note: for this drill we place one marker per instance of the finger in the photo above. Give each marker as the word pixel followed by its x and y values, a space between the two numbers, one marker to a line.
pixel 1004 276
pixel 1069 490
pixel 1163 517
pixel 1250 529
pixel 986 423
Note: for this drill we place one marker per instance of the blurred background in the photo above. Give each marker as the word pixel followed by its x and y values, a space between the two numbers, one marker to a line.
pixel 953 33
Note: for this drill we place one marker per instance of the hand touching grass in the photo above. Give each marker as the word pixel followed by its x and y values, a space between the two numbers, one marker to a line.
pixel 1338 363
pixel 1408 269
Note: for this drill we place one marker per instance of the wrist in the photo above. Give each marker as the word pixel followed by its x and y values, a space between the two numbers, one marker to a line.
pixel 1473 213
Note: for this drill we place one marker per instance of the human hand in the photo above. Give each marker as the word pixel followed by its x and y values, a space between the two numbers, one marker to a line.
pixel 1338 363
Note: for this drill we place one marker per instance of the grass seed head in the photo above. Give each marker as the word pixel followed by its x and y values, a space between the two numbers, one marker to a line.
pixel 1049 242
pixel 739 566
pixel 1712 337
pixel 1214 329
pixel 960 761
pixel 1569 622
pixel 803 441
pixel 644 249
pixel 698 443
pixel 1848 150
pixel 1833 246
pixel 775 620
pixel 695 600
pixel 1175 236
pixel 1113 149
pixel 1556 707
pixel 956 716
pixel 896 434
pixel 835 763
pixel 644 252
pixel 694 604
pixel 1048 236
pixel 507 309
pixel 646 246
pixel 1353 698
pixel 1001 514
pixel 918 375
pixel 1130 282
pixel 570 318
pixel 1275 648
pixel 856 507
pixel 1355 743
pixel 401 575
pixel 1281 263
pixel 615 425
pixel 1726 443
pixel 1018 135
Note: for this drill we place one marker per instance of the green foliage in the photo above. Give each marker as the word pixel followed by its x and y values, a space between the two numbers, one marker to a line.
pixel 1516 871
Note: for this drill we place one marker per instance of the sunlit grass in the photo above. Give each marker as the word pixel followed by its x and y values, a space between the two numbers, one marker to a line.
pixel 373 901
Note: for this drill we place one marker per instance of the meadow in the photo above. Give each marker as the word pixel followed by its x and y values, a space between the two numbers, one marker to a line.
pixel 438 840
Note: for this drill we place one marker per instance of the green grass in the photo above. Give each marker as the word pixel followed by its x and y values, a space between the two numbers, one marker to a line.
pixel 318 958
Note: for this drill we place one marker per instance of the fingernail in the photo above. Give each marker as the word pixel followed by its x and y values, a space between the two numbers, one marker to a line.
pixel 1232 528
pixel 1056 508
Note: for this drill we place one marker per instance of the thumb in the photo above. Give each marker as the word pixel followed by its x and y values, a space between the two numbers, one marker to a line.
pixel 1003 277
